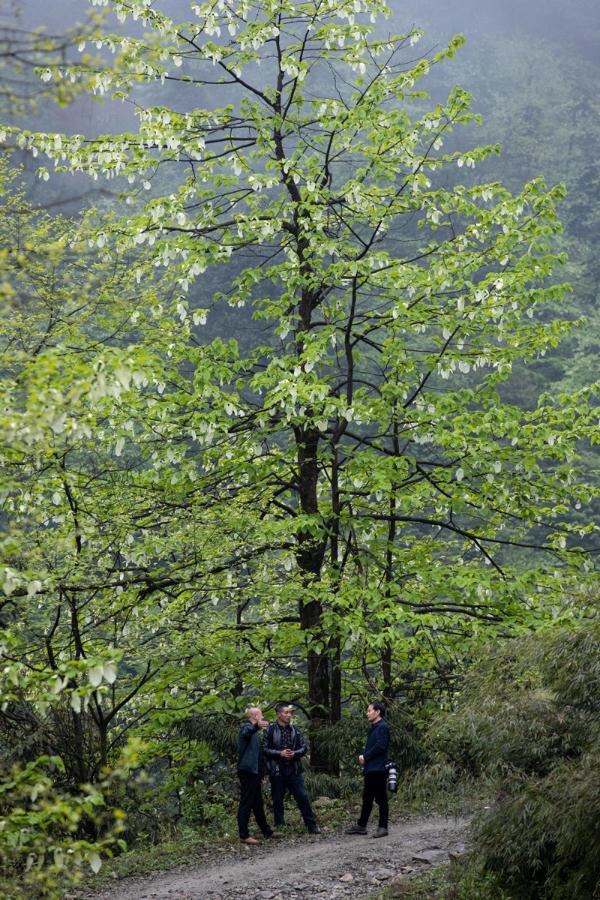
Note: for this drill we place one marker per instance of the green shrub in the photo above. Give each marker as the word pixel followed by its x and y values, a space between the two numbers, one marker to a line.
pixel 543 840
pixel 529 717
pixel 48 837
pixel 320 784
pixel 459 880
pixel 204 804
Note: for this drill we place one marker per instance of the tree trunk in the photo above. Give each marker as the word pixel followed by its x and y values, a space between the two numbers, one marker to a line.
pixel 386 669
pixel 335 653
pixel 336 680
pixel 387 655
pixel 310 554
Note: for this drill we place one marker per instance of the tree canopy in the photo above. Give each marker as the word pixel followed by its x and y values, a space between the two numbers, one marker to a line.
pixel 334 496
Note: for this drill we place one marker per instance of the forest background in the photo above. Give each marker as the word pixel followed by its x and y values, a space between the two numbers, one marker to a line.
pixel 297 404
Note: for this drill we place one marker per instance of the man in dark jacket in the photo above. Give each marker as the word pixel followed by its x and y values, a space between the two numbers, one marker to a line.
pixel 284 748
pixel 250 767
pixel 374 760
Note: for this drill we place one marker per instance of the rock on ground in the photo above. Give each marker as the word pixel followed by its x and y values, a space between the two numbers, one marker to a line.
pixel 307 867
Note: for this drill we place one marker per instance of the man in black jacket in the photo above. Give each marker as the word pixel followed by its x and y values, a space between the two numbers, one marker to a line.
pixel 374 760
pixel 250 766
pixel 284 747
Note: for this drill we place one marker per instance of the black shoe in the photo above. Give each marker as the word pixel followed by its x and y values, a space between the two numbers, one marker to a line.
pixel 356 829
pixel 315 830
pixel 380 832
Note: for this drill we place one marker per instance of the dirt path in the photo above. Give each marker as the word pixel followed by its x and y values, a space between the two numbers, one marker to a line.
pixel 304 867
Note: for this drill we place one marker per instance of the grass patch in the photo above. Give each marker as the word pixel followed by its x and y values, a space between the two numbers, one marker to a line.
pixel 185 846
pixel 439 789
pixel 456 880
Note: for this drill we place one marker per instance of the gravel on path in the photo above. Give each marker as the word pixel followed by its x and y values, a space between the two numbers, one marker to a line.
pixel 324 866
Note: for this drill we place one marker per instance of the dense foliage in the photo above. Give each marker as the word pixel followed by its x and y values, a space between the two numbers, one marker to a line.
pixel 259 434
pixel 529 721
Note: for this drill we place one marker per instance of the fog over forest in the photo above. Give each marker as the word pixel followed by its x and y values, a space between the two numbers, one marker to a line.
pixel 544 37
pixel 533 70
pixel 529 66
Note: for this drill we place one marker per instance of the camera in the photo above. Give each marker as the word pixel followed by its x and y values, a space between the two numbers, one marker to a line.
pixel 392 777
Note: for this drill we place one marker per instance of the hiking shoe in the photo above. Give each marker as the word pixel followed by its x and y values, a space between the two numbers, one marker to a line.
pixel 380 832
pixel 356 829
pixel 315 830
pixel 249 840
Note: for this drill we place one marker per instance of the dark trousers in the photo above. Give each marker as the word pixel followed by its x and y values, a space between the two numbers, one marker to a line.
pixel 294 783
pixel 375 788
pixel 251 801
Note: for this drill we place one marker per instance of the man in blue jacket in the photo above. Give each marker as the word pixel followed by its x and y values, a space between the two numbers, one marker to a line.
pixel 374 760
pixel 251 768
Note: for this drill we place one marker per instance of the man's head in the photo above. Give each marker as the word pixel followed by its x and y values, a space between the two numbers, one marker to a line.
pixel 284 713
pixel 254 714
pixel 375 711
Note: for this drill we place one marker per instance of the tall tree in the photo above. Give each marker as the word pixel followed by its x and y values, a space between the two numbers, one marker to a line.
pixel 381 499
